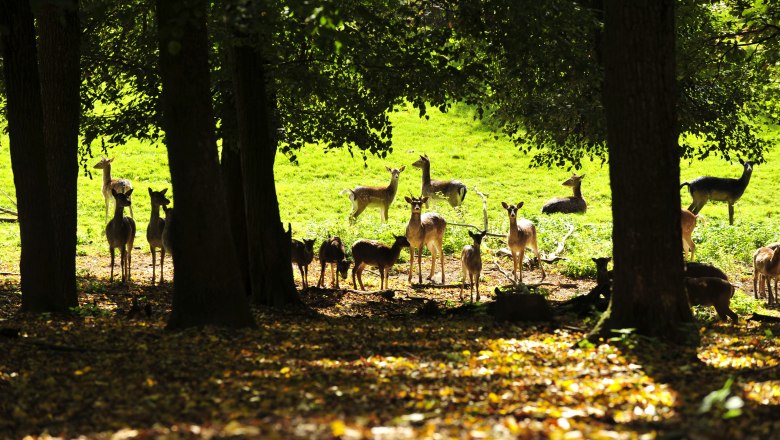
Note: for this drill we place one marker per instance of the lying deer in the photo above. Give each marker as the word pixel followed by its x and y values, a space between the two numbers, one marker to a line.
pixel 120 232
pixel 302 254
pixel 522 234
pixel 711 291
pixel 720 189
pixel 688 224
pixel 121 186
pixel 766 267
pixel 424 230
pixel 375 254
pixel 471 264
pixel 382 197
pixel 155 229
pixel 451 190
pixel 571 204
pixel 332 251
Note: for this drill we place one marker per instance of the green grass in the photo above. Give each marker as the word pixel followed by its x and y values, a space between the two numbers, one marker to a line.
pixel 460 148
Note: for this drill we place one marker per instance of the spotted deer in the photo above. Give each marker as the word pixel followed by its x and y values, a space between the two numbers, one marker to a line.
pixel 154 231
pixel 766 267
pixel 121 186
pixel 471 264
pixel 363 197
pixel 451 190
pixel 120 232
pixel 572 204
pixel 720 189
pixel 522 234
pixel 424 230
pixel 376 254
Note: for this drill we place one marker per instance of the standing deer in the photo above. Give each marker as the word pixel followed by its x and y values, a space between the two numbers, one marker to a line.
pixel 332 251
pixel 166 233
pixel 571 204
pixel 451 190
pixel 720 189
pixel 302 253
pixel 121 186
pixel 471 264
pixel 363 197
pixel 424 230
pixel 688 224
pixel 373 253
pixel 154 232
pixel 522 234
pixel 711 291
pixel 120 232
pixel 766 267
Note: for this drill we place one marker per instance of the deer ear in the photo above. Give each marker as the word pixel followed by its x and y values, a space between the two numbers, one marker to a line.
pixel 388 168
pixel 113 192
pixel 129 193
pixel 111 160
pixel 165 190
pixel 582 176
pixel 424 199
pixel 504 205
pixel 150 191
pixel 403 167
pixel 520 205
pixel 408 200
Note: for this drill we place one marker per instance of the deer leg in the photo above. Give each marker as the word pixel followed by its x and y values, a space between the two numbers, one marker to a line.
pixel 411 263
pixel 356 211
pixel 129 259
pixel 731 213
pixel 520 258
pixel 354 274
pixel 112 263
pixel 539 258
pixel 333 276
pixel 476 281
pixel 322 274
pixel 122 256
pixel 441 256
pixel 433 260
pixel 154 264
pixel 419 263
pixel 162 261
pixel 303 279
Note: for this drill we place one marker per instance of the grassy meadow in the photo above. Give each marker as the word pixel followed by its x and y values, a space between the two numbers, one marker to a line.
pixel 459 147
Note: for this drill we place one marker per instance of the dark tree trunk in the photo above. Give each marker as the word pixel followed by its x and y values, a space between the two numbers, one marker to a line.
pixel 24 114
pixel 58 46
pixel 639 98
pixel 207 284
pixel 269 245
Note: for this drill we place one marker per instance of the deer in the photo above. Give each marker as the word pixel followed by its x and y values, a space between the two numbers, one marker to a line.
pixel 471 264
pixel 424 230
pixel 376 254
pixel 120 232
pixel 154 232
pixel 566 205
pixel 720 189
pixel 382 197
pixel 451 190
pixel 522 234
pixel 766 267
pixel 703 270
pixel 688 224
pixel 711 291
pixel 119 185
pixel 332 251
pixel 302 254
pixel 166 233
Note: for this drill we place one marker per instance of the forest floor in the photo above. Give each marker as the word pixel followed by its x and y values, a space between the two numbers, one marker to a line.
pixel 351 364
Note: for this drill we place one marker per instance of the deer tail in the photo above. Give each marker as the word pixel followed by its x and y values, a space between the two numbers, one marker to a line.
pixel 685 184
pixel 462 193
pixel 348 191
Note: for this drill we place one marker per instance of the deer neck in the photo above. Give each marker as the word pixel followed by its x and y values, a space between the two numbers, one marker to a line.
pixel 576 190
pixel 513 228
pixel 745 178
pixel 396 250
pixel 155 213
pixel 119 212
pixel 107 175
pixel 426 174
pixel 392 188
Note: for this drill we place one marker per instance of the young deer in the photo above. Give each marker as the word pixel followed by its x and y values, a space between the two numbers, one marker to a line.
pixel 332 251
pixel 688 224
pixel 703 270
pixel 302 253
pixel 382 197
pixel 766 267
pixel 720 189
pixel 424 230
pixel 375 254
pixel 522 234
pixel 154 232
pixel 451 190
pixel 166 233
pixel 471 264
pixel 571 204
pixel 120 232
pixel 711 291
pixel 121 186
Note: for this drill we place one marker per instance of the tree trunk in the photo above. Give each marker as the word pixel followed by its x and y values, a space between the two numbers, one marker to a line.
pixel 24 114
pixel 269 245
pixel 639 98
pixel 58 39
pixel 207 284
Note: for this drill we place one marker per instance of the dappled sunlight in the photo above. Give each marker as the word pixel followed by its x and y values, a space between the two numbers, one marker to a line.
pixel 762 393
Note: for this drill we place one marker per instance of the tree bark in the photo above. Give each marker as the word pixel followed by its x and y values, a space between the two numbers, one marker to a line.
pixel 24 114
pixel 639 98
pixel 207 284
pixel 58 46
pixel 269 245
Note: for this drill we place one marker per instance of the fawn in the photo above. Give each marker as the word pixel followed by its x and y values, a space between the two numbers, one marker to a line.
pixel 451 190
pixel 119 185
pixel 373 253
pixel 120 232
pixel 302 253
pixel 332 251
pixel 766 267
pixel 522 234
pixel 711 291
pixel 424 229
pixel 471 264
pixel 720 189
pixel 571 204
pixel 688 224
pixel 363 197
pixel 155 229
